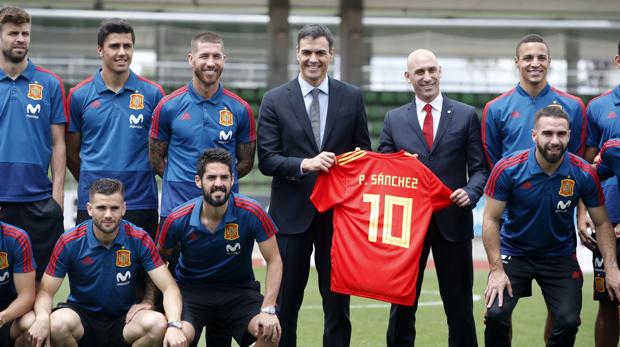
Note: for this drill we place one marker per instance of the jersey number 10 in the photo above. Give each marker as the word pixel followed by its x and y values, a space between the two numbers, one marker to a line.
pixel 389 202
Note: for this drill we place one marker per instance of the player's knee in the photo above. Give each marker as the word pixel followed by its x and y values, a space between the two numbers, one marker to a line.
pixel 24 322
pixel 60 327
pixel 154 324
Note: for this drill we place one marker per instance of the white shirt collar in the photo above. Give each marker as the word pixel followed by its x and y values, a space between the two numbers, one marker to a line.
pixel 306 87
pixel 436 103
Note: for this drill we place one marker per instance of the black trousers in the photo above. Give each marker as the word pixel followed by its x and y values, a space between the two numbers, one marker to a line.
pixel 295 251
pixel 561 281
pixel 453 262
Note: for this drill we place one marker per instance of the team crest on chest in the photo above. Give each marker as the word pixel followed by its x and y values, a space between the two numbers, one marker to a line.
pixel 136 101
pixel 226 118
pixel 35 91
pixel 123 258
pixel 4 260
pixel 567 187
pixel 231 231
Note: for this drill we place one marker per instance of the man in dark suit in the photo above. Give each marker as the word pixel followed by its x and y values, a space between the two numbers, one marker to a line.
pixel 446 136
pixel 302 126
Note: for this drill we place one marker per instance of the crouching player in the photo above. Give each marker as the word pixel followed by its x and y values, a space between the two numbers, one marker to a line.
pixel 216 234
pixel 102 257
pixel 17 287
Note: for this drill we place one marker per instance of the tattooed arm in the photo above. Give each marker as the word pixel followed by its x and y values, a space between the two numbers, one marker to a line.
pixel 158 151
pixel 245 157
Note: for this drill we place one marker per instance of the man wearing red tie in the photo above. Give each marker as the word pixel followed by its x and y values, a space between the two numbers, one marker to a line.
pixel 446 136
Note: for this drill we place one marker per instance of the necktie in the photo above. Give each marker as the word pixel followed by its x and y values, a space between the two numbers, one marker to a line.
pixel 315 116
pixel 427 129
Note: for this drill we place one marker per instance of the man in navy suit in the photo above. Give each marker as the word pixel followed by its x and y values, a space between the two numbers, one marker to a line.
pixel 446 136
pixel 303 125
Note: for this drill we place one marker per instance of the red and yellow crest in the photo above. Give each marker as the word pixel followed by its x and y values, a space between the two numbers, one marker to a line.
pixel 231 232
pixel 35 91
pixel 566 187
pixel 4 260
pixel 123 258
pixel 136 101
pixel 599 284
pixel 226 118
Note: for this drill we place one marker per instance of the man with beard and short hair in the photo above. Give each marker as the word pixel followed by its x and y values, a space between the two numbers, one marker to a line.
pixel 102 257
pixel 32 129
pixel 202 114
pixel 540 189
pixel 216 234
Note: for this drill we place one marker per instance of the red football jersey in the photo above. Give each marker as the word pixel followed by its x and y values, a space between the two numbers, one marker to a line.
pixel 382 206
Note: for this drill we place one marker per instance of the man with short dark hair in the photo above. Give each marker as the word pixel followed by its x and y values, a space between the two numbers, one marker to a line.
pixel 303 125
pixel 202 114
pixel 540 189
pixel 216 234
pixel 17 285
pixel 507 119
pixel 102 257
pixel 110 114
pixel 32 129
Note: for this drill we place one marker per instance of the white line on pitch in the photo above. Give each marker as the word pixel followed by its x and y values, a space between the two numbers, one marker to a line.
pixel 384 305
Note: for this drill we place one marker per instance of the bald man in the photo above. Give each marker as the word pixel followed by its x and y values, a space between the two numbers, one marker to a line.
pixel 446 137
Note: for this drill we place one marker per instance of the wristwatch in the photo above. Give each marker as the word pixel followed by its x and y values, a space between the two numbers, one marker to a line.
pixel 268 310
pixel 175 324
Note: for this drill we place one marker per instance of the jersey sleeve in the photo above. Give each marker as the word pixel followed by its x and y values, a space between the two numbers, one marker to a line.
pixel 498 185
pixel 170 233
pixel 594 132
pixel 74 107
pixel 491 135
pixel 247 127
pixel 23 260
pixel 329 189
pixel 156 95
pixel 161 124
pixel 60 261
pixel 58 102
pixel 577 141
pixel 149 256
pixel 439 192
pixel 591 194
pixel 609 164
pixel 263 227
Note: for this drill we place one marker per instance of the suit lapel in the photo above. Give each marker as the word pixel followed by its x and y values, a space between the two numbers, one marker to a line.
pixel 296 100
pixel 447 112
pixel 333 108
pixel 415 124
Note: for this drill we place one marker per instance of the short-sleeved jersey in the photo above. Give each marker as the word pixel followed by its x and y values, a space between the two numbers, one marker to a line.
pixel 220 257
pixel 609 165
pixel 190 124
pixel 540 208
pixel 603 125
pixel 382 205
pixel 15 257
pixel 507 121
pixel 114 128
pixel 29 106
pixel 102 279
